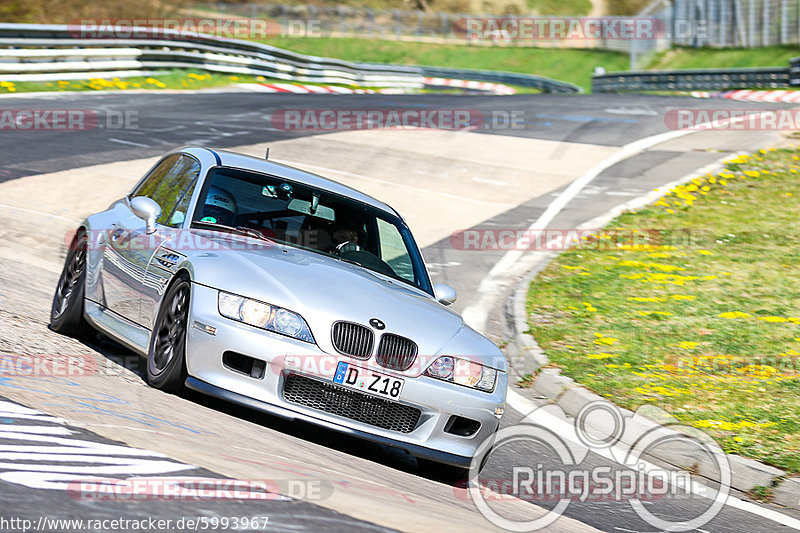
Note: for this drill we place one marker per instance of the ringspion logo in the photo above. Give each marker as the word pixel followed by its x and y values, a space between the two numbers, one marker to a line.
pixel 563 471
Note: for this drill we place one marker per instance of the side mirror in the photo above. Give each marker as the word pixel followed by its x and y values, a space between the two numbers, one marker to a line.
pixel 148 210
pixel 445 294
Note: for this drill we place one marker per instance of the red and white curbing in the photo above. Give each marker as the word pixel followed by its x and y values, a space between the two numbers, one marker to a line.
pixel 304 89
pixel 780 95
pixel 496 88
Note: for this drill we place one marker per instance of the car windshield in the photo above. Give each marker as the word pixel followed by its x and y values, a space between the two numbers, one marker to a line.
pixel 312 219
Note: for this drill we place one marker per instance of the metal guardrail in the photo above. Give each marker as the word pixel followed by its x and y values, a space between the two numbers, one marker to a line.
pixel 693 80
pixel 794 72
pixel 46 52
pixel 522 80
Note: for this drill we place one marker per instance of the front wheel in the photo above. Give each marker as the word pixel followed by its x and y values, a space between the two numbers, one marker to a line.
pixel 166 357
pixel 66 313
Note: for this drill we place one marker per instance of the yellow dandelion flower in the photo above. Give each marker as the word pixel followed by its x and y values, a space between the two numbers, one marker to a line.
pixel 772 318
pixel 607 341
pixel 734 314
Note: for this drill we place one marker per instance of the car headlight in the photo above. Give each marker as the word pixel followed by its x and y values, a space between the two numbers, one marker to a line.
pixel 463 372
pixel 262 315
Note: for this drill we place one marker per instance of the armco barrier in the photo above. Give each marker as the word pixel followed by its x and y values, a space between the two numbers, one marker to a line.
pixel 30 52
pixel 794 72
pixel 693 80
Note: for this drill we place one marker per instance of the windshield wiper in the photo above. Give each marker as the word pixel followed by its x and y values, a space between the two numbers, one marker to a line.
pixel 343 260
pixel 241 230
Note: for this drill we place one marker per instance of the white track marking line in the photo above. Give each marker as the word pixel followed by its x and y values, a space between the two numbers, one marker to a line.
pixel 120 141
pixel 566 430
pixel 489 181
pixel 476 314
pixel 33 211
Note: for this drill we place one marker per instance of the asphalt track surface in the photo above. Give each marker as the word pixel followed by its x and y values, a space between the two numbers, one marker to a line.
pixel 164 121
pixel 230 119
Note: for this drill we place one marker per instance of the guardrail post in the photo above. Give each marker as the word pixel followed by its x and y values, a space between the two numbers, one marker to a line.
pixel 312 14
pixel 371 21
pixel 765 24
pixel 283 18
pixel 784 20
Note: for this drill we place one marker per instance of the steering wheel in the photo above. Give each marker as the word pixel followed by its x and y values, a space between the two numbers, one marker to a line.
pixel 347 247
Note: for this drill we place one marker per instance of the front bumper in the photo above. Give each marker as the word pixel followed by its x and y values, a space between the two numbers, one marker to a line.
pixel 437 401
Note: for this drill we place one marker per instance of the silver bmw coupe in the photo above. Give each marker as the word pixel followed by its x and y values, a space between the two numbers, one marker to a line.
pixel 284 291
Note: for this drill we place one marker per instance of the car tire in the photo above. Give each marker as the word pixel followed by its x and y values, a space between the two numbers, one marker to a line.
pixel 166 355
pixel 66 312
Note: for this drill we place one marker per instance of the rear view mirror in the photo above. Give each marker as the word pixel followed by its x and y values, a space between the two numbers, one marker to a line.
pixel 445 294
pixel 148 210
pixel 305 207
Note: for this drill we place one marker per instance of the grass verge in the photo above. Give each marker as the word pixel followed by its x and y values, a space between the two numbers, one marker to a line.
pixel 176 79
pixel 769 56
pixel 571 65
pixel 698 314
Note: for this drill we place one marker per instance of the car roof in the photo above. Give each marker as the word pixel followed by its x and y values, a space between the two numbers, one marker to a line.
pixel 246 162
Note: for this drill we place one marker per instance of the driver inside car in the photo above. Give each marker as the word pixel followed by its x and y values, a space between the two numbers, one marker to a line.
pixel 219 207
pixel 345 237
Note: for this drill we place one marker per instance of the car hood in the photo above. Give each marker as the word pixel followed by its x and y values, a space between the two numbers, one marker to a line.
pixel 325 290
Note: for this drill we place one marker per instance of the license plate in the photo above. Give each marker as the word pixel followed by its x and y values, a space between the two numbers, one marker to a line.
pixel 368 381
